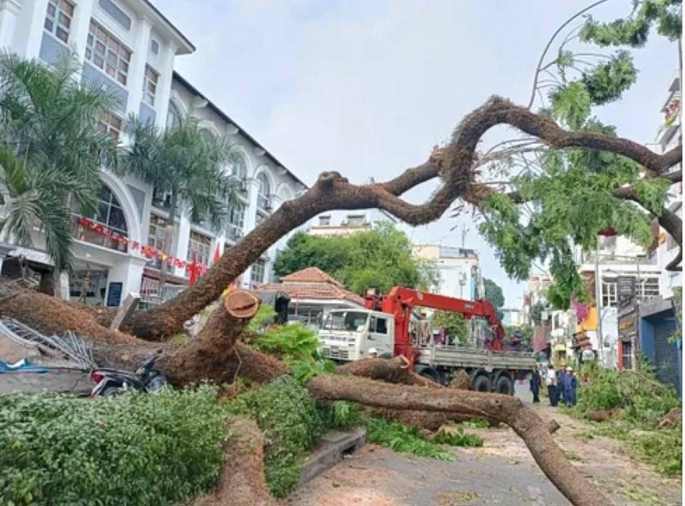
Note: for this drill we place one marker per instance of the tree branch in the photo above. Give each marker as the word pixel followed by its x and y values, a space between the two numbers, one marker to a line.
pixel 453 163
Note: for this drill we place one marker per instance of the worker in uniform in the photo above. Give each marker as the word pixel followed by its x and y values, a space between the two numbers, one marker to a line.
pixel 571 387
pixel 535 381
pixel 561 384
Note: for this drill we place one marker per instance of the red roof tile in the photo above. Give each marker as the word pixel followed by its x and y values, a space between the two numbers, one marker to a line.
pixel 310 275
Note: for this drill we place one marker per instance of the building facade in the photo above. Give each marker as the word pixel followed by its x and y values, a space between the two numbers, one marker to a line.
pixel 129 47
pixel 459 268
pixel 348 222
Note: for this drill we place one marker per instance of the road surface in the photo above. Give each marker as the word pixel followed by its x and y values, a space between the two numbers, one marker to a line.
pixel 501 473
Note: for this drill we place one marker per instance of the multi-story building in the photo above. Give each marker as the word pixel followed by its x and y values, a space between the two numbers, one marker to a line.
pixel 129 47
pixel 348 222
pixel 668 138
pixel 459 270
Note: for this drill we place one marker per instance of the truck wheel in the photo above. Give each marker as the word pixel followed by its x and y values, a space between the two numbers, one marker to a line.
pixel 429 373
pixel 504 385
pixel 482 384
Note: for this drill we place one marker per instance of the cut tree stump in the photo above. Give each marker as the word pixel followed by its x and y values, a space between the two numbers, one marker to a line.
pixel 125 312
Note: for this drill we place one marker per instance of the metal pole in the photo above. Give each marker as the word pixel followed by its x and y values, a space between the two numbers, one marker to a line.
pixel 598 305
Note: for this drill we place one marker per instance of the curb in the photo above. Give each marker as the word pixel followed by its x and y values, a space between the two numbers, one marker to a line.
pixel 334 446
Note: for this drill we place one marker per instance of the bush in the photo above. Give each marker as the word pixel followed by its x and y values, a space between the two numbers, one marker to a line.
pixel 288 417
pixel 136 449
pixel 458 438
pixel 663 449
pixel 288 342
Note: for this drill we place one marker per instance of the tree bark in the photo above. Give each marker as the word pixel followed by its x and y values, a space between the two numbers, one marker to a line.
pixel 453 164
pixel 241 480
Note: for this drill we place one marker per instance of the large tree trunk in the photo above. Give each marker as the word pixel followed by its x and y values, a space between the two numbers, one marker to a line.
pixel 509 410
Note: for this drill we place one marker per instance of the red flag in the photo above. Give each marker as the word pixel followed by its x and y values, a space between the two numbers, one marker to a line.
pixel 194 272
pixel 217 255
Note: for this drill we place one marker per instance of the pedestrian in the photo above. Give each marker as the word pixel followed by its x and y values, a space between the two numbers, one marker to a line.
pixel 561 385
pixel 571 387
pixel 551 381
pixel 535 385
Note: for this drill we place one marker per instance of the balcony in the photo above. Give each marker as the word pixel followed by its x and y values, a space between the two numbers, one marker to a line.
pixel 107 238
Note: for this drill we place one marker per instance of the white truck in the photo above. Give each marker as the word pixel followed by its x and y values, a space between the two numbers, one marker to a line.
pixel 388 326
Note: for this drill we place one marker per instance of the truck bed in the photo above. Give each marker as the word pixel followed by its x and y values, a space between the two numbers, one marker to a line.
pixel 472 358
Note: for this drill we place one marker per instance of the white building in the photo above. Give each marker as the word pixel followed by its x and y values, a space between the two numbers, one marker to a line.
pixel 459 270
pixel 348 222
pixel 512 317
pixel 129 47
pixel 668 138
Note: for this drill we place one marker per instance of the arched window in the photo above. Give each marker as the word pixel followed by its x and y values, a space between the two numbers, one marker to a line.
pixel 239 168
pixel 109 215
pixel 173 116
pixel 263 192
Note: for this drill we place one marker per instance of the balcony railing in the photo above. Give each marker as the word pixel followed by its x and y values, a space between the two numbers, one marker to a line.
pixel 85 234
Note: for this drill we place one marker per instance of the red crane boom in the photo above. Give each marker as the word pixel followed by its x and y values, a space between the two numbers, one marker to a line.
pixel 400 302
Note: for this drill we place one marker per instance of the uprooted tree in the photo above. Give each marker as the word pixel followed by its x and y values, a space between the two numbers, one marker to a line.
pixel 566 176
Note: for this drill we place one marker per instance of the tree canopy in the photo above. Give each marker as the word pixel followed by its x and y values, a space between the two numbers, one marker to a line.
pixel 379 258
pixel 493 293
pixel 553 199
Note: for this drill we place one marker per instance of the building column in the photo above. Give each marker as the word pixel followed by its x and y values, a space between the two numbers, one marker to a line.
pixel 80 25
pixel 128 272
pixel 9 14
pixel 29 28
pixel 180 245
pixel 250 223
pixel 137 67
pixel 164 85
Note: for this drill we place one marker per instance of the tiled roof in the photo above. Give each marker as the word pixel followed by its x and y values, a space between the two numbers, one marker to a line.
pixel 310 275
pixel 322 291
pixel 313 283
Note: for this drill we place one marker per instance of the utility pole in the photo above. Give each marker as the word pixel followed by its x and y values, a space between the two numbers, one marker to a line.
pixel 598 305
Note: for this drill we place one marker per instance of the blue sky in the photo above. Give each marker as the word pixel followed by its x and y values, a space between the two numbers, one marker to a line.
pixel 369 87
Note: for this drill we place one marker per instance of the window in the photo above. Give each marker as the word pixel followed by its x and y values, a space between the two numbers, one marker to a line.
pixel 173 117
pixel 646 288
pixel 198 248
pixel 263 191
pixel 236 221
pixel 58 19
pixel 354 321
pixel 157 232
pixel 356 220
pixel 239 169
pixel 150 85
pixel 259 219
pixel 324 221
pixel 380 326
pixel 154 46
pixel 627 355
pixel 109 214
pixel 116 13
pixel 107 53
pixel 258 271
pixel 110 124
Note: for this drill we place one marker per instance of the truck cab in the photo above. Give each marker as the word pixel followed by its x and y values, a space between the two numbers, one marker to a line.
pixel 348 334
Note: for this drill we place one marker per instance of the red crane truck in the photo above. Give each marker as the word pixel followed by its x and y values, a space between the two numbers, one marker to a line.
pixel 387 325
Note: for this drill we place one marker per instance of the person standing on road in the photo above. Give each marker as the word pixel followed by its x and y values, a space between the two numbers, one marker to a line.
pixel 551 381
pixel 561 385
pixel 571 387
pixel 535 385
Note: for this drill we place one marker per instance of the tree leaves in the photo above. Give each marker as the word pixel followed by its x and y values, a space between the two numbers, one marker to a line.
pixel 571 104
pixel 607 81
pixel 652 194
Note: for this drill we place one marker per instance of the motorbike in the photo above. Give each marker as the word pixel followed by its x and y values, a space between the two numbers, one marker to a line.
pixel 113 382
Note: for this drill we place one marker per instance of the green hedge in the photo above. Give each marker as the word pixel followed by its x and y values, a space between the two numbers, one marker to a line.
pixel 135 450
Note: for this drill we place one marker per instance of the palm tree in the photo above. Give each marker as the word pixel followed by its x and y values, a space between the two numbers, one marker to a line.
pixel 51 151
pixel 186 162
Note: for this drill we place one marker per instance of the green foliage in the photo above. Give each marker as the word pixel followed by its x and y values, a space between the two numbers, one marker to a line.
pixel 607 81
pixel 403 439
pixel 536 313
pixel 494 294
pixel 135 449
pixel 379 258
pixel 288 342
pixel 456 326
pixel 663 449
pixel 571 104
pixel 678 297
pixel 291 423
pixel 304 370
pixel 340 414
pixel 458 438
pixel 633 31
pixel 643 398
pixel 265 315
pixel 51 150
pixel 652 194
